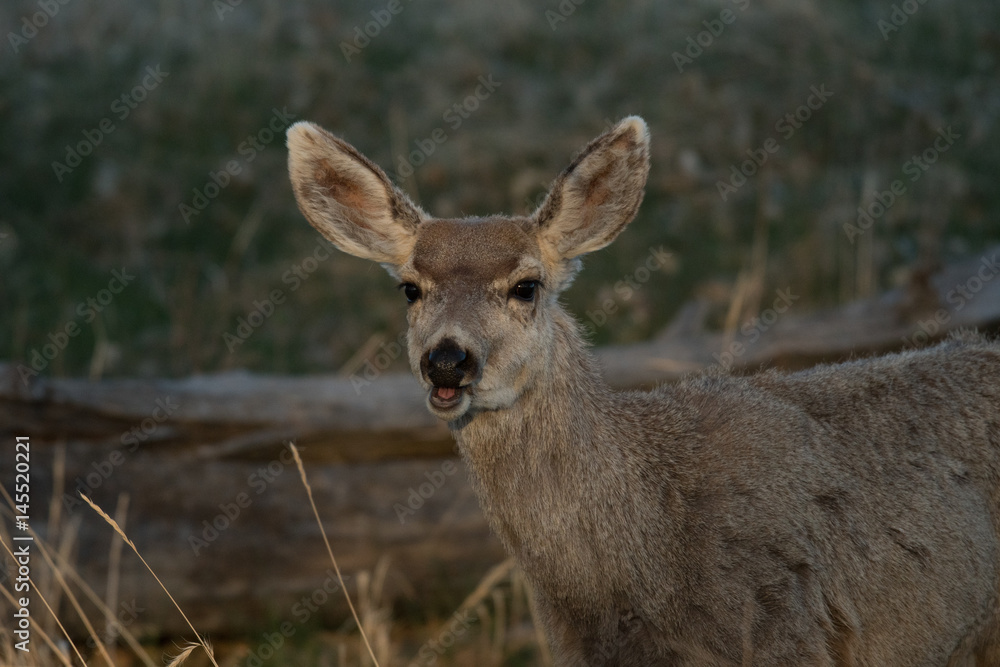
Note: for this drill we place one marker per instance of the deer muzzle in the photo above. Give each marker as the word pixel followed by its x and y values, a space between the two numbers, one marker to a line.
pixel 449 368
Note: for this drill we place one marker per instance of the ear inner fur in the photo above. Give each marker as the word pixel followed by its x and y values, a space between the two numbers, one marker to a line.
pixel 598 194
pixel 348 198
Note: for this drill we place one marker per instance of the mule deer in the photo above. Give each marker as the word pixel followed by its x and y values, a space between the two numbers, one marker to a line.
pixel 845 515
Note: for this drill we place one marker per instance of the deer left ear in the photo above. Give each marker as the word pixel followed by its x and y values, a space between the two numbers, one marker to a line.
pixel 348 198
pixel 593 200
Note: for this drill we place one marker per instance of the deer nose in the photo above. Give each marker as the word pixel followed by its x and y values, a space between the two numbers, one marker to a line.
pixel 448 364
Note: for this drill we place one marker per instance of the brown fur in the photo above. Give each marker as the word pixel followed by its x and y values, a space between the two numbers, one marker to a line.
pixel 847 515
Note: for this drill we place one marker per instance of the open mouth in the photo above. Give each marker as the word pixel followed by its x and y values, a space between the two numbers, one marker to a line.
pixel 445 398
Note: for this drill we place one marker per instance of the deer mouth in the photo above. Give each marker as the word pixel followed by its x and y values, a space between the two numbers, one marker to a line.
pixel 446 398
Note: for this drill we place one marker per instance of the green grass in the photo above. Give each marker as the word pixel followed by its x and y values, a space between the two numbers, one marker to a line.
pixel 119 208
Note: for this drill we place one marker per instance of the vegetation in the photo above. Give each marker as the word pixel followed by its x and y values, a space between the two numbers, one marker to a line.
pixel 561 72
pixel 493 625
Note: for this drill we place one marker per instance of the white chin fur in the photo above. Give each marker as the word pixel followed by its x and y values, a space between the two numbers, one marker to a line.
pixel 452 413
pixel 500 399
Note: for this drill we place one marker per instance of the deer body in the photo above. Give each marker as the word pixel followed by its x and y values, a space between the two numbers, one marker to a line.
pixel 674 544
pixel 847 515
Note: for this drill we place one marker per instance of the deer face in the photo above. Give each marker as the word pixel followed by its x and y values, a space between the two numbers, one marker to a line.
pixel 481 291
pixel 478 293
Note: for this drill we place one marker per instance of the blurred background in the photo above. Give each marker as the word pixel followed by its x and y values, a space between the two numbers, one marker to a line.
pixel 563 73
pixel 837 148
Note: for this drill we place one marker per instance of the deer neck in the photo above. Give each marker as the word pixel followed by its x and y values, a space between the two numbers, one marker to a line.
pixel 555 416
pixel 538 469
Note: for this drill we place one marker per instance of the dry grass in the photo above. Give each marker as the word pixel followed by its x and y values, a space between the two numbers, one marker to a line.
pixel 502 629
pixel 329 550
pixel 114 524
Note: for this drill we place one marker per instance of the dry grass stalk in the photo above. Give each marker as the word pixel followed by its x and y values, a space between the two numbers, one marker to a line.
pixel 183 655
pixel 114 568
pixel 109 615
pixel 202 642
pixel 500 626
pixel 62 551
pixel 61 557
pixel 7 656
pixel 64 586
pixel 543 643
pixel 483 590
pixel 58 484
pixel 34 585
pixel 45 602
pixel 329 550
pixel 377 617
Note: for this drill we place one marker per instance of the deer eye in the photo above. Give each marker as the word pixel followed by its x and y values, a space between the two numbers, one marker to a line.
pixel 525 290
pixel 411 291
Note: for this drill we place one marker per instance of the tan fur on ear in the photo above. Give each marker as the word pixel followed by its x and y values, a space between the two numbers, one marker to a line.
pixel 348 198
pixel 597 195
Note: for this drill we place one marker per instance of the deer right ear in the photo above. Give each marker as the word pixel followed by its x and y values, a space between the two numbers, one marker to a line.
pixel 348 198
pixel 597 195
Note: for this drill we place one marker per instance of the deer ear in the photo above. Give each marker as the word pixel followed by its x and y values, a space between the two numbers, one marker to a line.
pixel 597 195
pixel 348 198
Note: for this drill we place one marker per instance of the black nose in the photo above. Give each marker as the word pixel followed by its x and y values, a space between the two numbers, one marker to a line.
pixel 447 365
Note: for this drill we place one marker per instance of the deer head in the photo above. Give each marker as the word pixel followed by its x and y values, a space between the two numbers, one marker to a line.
pixel 482 292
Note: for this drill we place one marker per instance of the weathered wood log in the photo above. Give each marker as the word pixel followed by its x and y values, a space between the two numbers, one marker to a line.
pixel 220 514
pixel 965 294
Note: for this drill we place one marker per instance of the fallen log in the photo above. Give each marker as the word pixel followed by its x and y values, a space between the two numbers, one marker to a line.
pixel 965 294
pixel 220 514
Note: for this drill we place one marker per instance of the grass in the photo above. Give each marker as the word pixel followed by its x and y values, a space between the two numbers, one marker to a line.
pixel 329 550
pixel 498 616
pixel 558 88
pixel 186 652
